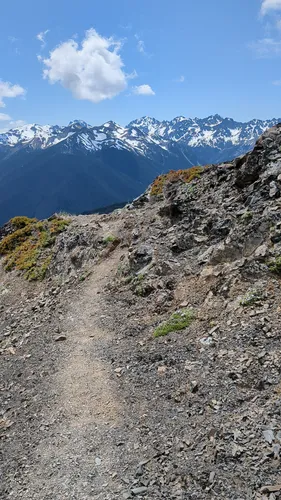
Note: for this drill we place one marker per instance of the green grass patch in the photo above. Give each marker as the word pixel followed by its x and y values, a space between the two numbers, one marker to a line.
pixel 109 239
pixel 29 247
pixel 178 321
pixel 275 265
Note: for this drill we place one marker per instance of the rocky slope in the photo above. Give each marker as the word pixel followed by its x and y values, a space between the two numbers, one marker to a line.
pixel 94 404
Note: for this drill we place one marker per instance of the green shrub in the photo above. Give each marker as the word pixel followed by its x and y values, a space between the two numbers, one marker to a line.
pixel 28 248
pixel 178 321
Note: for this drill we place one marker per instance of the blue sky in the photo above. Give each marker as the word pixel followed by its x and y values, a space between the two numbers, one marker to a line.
pixel 160 58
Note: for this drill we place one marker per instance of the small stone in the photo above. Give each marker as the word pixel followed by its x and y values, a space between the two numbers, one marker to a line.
pixel 161 370
pixel 268 435
pixel 194 386
pixel 274 190
pixel 141 490
pixel 212 477
pixel 60 338
pixel 214 329
pixel 97 461
pixel 139 472
pixel 207 341
pixel 184 304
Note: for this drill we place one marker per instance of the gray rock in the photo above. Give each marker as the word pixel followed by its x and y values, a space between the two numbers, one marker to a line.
pixel 141 490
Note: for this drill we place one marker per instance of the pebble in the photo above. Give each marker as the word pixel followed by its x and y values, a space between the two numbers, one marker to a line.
pixel 141 490
pixel 60 338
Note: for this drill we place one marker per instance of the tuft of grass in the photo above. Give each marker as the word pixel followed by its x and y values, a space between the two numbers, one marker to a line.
pixel 178 321
pixel 247 216
pixel 109 239
pixel 85 275
pixel 186 176
pixel 28 248
pixel 275 265
pixel 251 298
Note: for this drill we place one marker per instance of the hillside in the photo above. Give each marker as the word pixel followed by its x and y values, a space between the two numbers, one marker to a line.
pixel 78 168
pixel 146 363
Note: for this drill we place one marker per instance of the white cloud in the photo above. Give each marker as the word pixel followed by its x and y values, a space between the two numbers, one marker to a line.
pixel 180 79
pixel 127 27
pixel 132 75
pixel 143 90
pixel 93 72
pixel 270 5
pixel 4 117
pixel 41 37
pixel 9 90
pixel 277 83
pixel 9 124
pixel 16 123
pixel 141 46
pixel 266 47
pixel 13 39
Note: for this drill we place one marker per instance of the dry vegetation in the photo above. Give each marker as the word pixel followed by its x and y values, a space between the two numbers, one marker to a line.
pixel 28 247
pixel 186 176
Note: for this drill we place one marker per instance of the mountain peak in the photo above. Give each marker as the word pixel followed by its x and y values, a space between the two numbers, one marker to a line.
pixel 79 124
pixel 179 119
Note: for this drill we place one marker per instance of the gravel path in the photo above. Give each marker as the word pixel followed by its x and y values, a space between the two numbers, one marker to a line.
pixel 77 456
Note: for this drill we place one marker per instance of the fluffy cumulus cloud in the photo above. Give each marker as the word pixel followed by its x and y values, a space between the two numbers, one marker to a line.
pixel 143 90
pixel 93 72
pixel 9 90
pixel 270 5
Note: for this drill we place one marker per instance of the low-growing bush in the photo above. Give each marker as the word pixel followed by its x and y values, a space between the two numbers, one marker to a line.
pixel 186 176
pixel 178 321
pixel 21 221
pixel 28 248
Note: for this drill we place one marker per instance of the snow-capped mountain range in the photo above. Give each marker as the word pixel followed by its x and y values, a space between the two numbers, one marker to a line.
pixel 224 136
pixel 80 167
pixel 212 139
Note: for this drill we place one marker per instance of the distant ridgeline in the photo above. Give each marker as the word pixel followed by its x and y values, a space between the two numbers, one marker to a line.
pixel 79 168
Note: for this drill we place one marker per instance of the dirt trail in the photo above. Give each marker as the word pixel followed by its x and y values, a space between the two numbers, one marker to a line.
pixel 77 459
